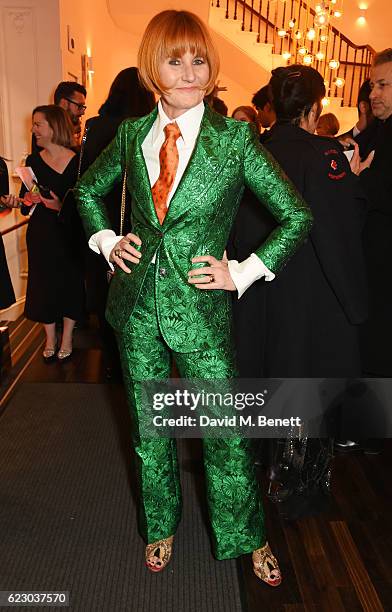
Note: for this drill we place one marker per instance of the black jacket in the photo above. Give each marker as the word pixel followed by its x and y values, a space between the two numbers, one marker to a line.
pixel 376 337
pixel 311 310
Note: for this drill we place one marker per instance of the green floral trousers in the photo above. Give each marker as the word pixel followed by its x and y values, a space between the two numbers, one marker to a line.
pixel 234 500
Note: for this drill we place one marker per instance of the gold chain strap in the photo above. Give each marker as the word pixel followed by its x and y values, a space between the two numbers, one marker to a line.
pixel 124 184
pixel 123 199
pixel 83 144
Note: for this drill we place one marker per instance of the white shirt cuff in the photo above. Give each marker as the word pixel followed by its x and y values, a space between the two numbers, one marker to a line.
pixel 103 242
pixel 244 274
pixel 356 131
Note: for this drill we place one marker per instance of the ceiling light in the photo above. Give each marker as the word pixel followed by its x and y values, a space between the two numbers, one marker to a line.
pixel 308 60
pixel 334 64
pixel 339 82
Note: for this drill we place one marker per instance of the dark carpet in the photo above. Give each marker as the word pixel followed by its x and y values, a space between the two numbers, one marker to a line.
pixel 68 517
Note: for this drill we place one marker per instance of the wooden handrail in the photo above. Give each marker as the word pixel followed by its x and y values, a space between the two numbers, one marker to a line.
pixel 267 21
pixel 14 227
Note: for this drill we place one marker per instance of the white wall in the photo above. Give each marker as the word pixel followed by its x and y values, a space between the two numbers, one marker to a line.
pixel 376 31
pixel 30 67
pixel 95 34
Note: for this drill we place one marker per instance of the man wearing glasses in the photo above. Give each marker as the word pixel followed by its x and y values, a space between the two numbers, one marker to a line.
pixel 71 96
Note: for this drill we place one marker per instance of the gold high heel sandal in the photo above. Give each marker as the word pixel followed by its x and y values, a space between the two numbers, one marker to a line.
pixel 49 354
pixel 266 567
pixel 64 354
pixel 158 554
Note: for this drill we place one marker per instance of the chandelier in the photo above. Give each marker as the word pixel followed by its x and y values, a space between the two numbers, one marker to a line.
pixel 308 30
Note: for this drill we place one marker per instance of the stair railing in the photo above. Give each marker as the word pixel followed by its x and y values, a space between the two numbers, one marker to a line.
pixel 270 18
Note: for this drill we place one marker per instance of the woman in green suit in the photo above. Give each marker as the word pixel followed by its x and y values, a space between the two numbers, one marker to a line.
pixel 186 169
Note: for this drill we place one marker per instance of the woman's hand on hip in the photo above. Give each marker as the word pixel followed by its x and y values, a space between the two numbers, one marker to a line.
pixel 216 274
pixel 124 251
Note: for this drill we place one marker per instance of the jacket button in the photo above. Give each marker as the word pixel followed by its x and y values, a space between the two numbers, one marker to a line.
pixel 162 272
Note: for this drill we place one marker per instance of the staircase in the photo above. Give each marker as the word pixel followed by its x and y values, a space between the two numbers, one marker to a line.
pixel 255 28
pixel 20 341
pixel 246 40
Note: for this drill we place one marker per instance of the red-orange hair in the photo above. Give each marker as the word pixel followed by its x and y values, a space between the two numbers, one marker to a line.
pixel 171 34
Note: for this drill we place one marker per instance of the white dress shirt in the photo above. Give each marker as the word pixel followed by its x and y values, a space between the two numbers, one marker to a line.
pixel 244 274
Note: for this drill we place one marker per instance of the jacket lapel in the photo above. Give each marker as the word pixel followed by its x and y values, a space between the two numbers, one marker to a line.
pixel 140 182
pixel 203 168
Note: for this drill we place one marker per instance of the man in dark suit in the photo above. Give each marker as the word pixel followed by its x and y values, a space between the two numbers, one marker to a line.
pixel 365 114
pixel 377 184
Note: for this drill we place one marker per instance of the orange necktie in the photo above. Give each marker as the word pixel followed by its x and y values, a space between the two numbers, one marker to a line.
pixel 168 160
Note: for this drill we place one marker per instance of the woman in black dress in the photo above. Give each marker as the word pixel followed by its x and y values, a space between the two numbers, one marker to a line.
pixel 7 296
pixel 55 290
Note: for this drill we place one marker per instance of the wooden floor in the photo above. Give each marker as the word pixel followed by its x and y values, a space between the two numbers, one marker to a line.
pixel 339 561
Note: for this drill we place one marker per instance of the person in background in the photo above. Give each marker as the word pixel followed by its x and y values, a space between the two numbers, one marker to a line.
pixel 55 287
pixel 376 136
pixel 251 224
pixel 215 101
pixel 7 296
pixel 376 336
pixel 219 106
pixel 265 110
pixel 365 113
pixel 71 96
pixel 328 125
pixel 126 98
pixel 246 113
pixel 186 168
pixel 313 310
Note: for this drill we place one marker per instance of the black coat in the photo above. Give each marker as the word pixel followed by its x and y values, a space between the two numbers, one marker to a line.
pixel 100 132
pixel 7 296
pixel 314 306
pixel 376 334
pixel 251 227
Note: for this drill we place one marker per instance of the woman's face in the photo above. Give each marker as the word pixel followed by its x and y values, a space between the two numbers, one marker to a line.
pixel 41 130
pixel 184 79
pixel 241 116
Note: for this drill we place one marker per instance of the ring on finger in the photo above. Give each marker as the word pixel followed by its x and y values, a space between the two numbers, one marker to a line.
pixel 212 278
pixel 118 253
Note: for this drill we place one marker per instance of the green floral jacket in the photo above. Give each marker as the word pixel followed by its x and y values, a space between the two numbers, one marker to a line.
pixel 227 156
